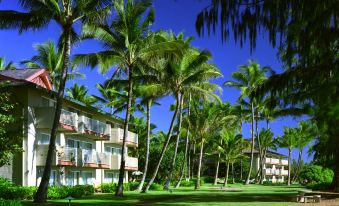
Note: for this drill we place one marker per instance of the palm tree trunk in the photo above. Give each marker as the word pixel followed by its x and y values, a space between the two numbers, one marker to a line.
pixel 189 161
pixel 41 194
pixel 145 189
pixel 262 167
pixel 297 170
pixel 289 166
pixel 252 148
pixel 169 179
pixel 192 160
pixel 149 104
pixel 226 175
pixel 259 146
pixel 197 183
pixel 217 171
pixel 182 169
pixel 335 180
pixel 233 181
pixel 120 189
pixel 241 169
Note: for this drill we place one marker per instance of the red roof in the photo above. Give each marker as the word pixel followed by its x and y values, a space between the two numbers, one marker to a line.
pixel 37 76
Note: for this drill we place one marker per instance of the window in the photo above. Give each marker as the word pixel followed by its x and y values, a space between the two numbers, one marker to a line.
pixel 53 178
pixel 73 143
pixel 111 177
pixel 46 102
pixel 87 178
pixel 43 139
pixel 72 178
pixel 113 150
pixel 87 145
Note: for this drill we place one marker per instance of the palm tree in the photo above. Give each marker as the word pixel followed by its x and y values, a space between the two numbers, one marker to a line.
pixel 50 58
pixel 247 79
pixel 267 142
pixel 66 13
pixel 306 133
pixel 288 140
pixel 4 66
pixel 230 148
pixel 188 73
pixel 80 93
pixel 129 45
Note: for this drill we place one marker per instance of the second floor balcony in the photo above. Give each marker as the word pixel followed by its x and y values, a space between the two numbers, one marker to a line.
pixel 130 164
pixel 68 121
pixel 94 129
pixel 118 135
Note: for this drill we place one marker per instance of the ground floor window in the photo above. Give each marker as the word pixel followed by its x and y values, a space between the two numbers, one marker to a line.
pixel 111 177
pixel 73 178
pixel 53 178
pixel 87 178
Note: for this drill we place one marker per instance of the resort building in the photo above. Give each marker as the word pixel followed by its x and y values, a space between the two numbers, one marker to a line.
pixel 88 143
pixel 275 166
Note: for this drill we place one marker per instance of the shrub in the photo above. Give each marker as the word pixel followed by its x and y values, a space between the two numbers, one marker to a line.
pixel 156 187
pixel 81 190
pixel 209 179
pixel 10 191
pixel 319 186
pixel 316 174
pixel 10 202
pixel 58 192
pixel 133 186
pixel 108 187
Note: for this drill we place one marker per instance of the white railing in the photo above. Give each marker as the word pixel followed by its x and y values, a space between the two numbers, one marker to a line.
pixel 69 118
pixel 284 162
pixel 66 155
pixel 95 127
pixel 275 161
pixel 267 160
pixel 118 135
pixel 268 171
pixel 103 159
pixel 88 156
pixel 284 172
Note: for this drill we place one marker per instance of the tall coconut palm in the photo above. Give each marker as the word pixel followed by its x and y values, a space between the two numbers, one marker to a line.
pixel 66 13
pixel 129 44
pixel 267 142
pixel 247 79
pixel 288 140
pixel 230 148
pixel 80 93
pixel 50 58
pixel 189 72
pixel 6 66
pixel 307 131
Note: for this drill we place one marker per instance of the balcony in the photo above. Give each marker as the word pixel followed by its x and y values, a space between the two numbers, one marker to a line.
pixel 272 161
pixel 284 172
pixel 88 158
pixel 104 161
pixel 61 157
pixel 45 115
pixel 118 134
pixel 284 162
pixel 94 129
pixel 130 164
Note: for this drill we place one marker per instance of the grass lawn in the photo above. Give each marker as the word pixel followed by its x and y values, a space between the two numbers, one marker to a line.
pixel 208 195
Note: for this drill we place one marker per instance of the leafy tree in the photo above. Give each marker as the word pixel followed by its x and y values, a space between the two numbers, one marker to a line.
pixel 66 13
pixel 230 148
pixel 316 174
pixel 48 57
pixel 10 129
pixel 129 45
pixel 4 66
pixel 80 93
pixel 288 140
pixel 247 79
pixel 309 54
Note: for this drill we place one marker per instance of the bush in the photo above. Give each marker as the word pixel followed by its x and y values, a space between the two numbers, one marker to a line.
pixel 133 186
pixel 269 183
pixel 108 187
pixel 156 187
pixel 58 192
pixel 209 179
pixel 10 191
pixel 319 186
pixel 316 174
pixel 81 190
pixel 10 202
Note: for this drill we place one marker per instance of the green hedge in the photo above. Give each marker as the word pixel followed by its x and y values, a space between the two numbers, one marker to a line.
pixel 10 202
pixel 9 191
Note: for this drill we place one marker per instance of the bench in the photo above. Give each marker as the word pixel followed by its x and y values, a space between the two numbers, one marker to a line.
pixel 305 198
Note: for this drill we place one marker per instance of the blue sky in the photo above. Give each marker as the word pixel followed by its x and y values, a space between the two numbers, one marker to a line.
pixel 175 15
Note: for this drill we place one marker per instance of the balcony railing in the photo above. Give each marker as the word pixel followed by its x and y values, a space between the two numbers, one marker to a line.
pixel 104 160
pixel 284 162
pixel 44 119
pixel 130 164
pixel 88 158
pixel 67 156
pixel 95 128
pixel 118 134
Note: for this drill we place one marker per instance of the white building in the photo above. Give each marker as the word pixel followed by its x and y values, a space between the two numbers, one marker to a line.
pixel 88 141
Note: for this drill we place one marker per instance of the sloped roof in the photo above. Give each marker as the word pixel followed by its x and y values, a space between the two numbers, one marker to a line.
pixel 37 76
pixel 22 74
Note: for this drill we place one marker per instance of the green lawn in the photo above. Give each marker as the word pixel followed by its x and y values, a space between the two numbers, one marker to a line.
pixel 208 195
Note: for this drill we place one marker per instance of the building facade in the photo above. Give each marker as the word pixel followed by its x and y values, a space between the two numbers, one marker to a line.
pixel 275 167
pixel 88 144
